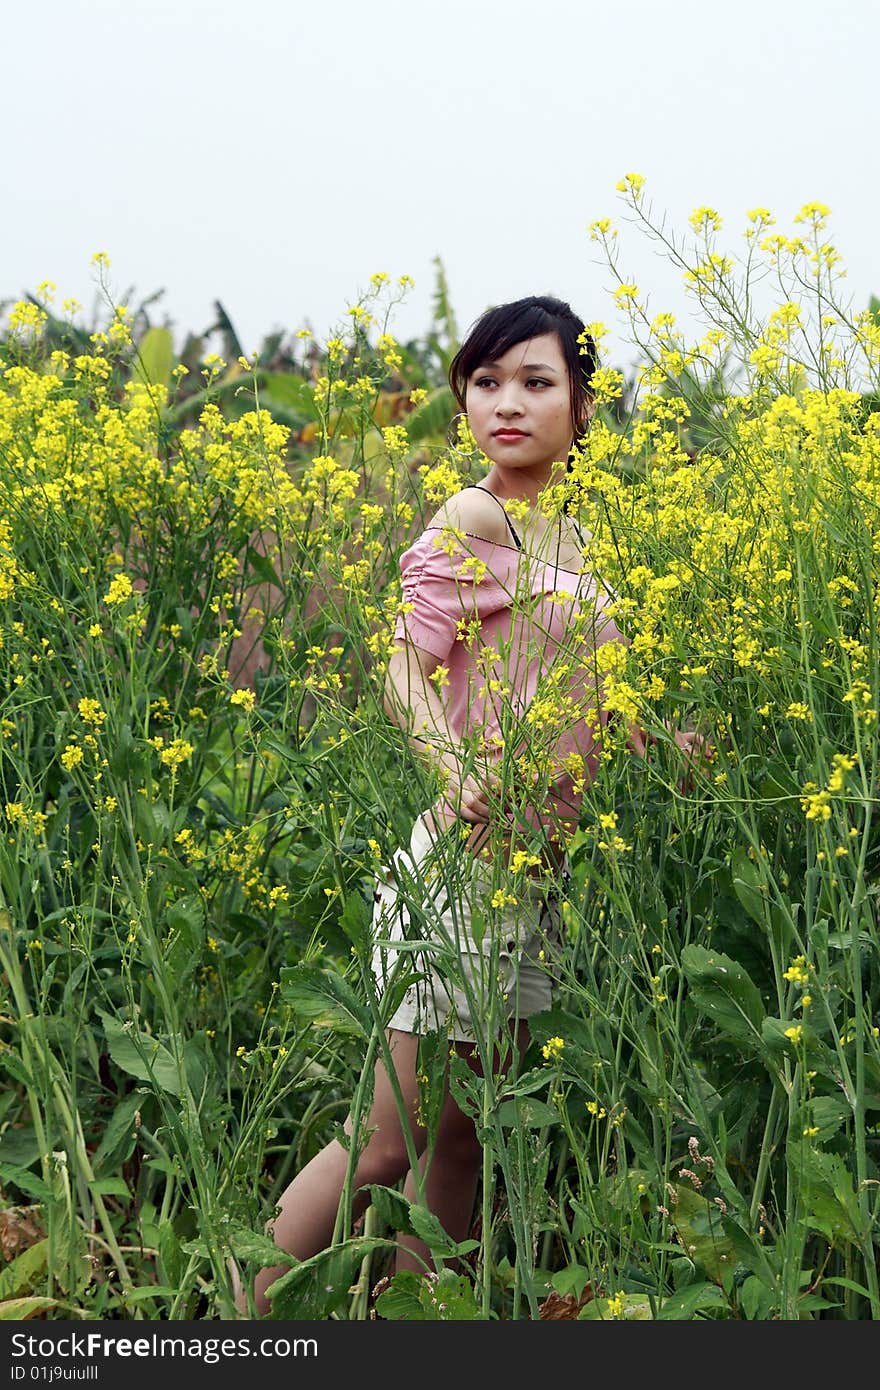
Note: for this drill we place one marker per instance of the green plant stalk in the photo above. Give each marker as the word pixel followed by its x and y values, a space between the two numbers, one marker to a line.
pixel 357 1311
pixel 44 1063
pixel 861 1157
pixel 765 1155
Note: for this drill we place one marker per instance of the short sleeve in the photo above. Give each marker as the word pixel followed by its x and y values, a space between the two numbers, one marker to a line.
pixel 437 591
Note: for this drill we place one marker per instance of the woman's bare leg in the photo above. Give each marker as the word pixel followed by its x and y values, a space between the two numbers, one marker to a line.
pixel 451 1185
pixel 308 1206
pixel 453 1168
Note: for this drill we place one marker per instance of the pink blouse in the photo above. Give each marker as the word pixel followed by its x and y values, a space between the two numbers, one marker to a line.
pixel 506 627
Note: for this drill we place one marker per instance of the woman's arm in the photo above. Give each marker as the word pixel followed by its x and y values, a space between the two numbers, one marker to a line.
pixel 694 746
pixel 413 704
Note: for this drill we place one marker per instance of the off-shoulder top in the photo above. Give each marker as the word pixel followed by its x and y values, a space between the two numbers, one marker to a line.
pixel 517 637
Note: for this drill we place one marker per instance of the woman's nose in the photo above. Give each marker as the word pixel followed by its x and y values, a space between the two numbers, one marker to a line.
pixel 507 401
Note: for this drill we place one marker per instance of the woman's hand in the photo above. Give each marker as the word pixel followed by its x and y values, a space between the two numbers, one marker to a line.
pixel 696 747
pixel 475 797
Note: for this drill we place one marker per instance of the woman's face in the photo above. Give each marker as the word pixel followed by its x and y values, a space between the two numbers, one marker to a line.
pixel 519 408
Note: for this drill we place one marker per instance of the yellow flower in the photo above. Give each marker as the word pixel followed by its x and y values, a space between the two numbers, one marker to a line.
pixel 120 590
pixel 795 1034
pixel 799 971
pixel 176 753
pixel 616 1305
pixel 624 293
pixel 90 712
pixel 796 710
pixel 500 898
pixel 552 1049
pixel 816 213
pixel 440 677
pixel 633 183
pixel 816 804
pixel 705 219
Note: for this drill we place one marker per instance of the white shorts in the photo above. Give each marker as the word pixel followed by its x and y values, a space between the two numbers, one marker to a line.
pixel 477 963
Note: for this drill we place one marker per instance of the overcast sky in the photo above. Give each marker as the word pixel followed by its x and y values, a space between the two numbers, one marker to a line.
pixel 274 156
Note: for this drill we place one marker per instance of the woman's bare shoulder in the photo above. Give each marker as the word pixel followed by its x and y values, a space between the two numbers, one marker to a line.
pixel 473 510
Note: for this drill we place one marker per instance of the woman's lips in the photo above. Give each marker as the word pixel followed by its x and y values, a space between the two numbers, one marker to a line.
pixel 510 435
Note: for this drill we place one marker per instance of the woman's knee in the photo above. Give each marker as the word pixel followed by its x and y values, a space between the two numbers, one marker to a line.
pixel 384 1160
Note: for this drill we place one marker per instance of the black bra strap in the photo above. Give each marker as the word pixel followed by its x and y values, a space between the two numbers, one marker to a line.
pixel 503 508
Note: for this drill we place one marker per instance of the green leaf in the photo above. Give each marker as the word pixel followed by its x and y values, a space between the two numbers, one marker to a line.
pixel 529 1112
pixel 186 923
pixel 682 1305
pixel 187 916
pixel 317 1287
pixel 757 1301
pixel 26 1181
pixel 427 1227
pixel 289 390
pixel 571 1280
pixel 723 990
pixel 15 1068
pixel 432 416
pixel 111 1187
pixel 147 1291
pixel 829 1197
pixel 253 1247
pixel 120 1135
pixel 411 1298
pixel 827 1114
pixel 842 1283
pixel 749 1252
pixel 401 1301
pixel 22 1273
pixel 433 1057
pixel 811 1302
pixel 700 1227
pixel 355 920
pixel 142 1056
pixel 173 1262
pixel 124 754
pixel 262 568
pixel 20 1309
pixel 747 883
pixel 154 358
pixel 322 997
pixel 392 1208
pixel 152 821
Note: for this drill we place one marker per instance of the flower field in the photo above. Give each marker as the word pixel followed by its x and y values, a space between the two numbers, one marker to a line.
pixel 198 587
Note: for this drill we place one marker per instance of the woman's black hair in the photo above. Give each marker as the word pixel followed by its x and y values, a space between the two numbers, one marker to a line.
pixel 502 327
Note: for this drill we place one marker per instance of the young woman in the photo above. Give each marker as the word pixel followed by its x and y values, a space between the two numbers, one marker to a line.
pixel 487 605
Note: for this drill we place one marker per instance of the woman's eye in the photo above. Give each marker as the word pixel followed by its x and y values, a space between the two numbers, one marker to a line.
pixel 537 381
pixel 485 381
